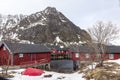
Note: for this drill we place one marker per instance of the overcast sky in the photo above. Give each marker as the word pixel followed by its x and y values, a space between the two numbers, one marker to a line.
pixel 83 13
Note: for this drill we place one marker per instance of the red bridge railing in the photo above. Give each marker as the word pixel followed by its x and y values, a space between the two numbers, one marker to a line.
pixel 33 63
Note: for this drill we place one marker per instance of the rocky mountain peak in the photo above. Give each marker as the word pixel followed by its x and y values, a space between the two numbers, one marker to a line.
pixel 50 10
pixel 46 26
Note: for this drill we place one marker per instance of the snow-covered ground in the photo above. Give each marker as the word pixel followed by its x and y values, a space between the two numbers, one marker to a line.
pixel 55 76
pixel 116 61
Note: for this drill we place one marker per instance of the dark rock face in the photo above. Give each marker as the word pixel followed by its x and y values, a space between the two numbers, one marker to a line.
pixel 45 26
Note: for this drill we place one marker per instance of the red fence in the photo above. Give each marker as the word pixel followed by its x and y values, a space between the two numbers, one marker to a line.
pixel 33 63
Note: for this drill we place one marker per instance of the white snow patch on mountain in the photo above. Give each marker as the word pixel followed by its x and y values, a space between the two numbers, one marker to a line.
pixel 82 42
pixel 63 20
pixel 26 41
pixel 22 28
pixel 14 35
pixel 57 39
pixel 38 14
pixel 32 25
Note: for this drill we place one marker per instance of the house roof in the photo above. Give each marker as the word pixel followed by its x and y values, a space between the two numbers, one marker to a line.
pixel 58 48
pixel 25 48
pixel 0 43
pixel 84 49
pixel 113 49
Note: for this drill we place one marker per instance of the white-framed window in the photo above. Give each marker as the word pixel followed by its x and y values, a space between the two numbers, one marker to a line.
pixel 59 51
pixel 77 55
pixel 4 48
pixel 111 56
pixel 87 55
pixel 20 55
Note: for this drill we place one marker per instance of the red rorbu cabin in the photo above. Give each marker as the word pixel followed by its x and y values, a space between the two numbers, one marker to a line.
pixel 85 53
pixel 24 54
pixel 82 53
pixel 113 52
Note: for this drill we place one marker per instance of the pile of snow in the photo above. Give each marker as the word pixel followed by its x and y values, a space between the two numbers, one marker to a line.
pixel 1 69
pixel 116 61
pixel 92 66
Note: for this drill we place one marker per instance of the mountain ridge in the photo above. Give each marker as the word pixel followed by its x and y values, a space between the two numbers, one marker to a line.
pixel 46 25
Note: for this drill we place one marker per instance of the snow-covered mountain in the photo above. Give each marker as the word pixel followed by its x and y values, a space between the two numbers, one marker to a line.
pixel 7 22
pixel 45 27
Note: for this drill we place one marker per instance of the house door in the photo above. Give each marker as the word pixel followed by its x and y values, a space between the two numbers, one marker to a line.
pixel 33 57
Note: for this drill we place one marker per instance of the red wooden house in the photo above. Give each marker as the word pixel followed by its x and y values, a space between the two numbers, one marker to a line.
pixel 84 53
pixel 113 52
pixel 23 54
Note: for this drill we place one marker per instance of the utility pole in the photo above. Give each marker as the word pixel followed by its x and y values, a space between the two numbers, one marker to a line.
pixel 119 3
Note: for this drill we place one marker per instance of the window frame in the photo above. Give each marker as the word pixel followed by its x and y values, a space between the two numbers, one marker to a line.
pixel 111 56
pixel 77 55
pixel 21 55
pixel 4 48
pixel 87 55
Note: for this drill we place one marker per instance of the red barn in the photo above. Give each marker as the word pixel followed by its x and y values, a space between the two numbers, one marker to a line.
pixel 23 54
pixel 113 52
pixel 84 53
pixel 81 53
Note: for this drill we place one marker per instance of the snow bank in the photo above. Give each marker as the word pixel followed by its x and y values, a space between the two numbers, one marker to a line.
pixel 116 61
pixel 0 69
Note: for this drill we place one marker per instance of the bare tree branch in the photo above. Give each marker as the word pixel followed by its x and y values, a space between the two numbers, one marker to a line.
pixel 101 34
